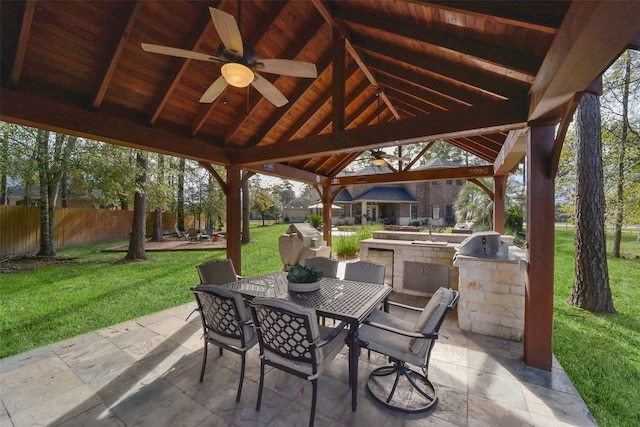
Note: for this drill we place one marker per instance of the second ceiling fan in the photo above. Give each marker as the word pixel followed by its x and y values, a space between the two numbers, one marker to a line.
pixel 239 62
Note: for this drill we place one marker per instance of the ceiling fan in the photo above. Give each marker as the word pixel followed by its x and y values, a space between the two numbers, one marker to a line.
pixel 239 62
pixel 379 157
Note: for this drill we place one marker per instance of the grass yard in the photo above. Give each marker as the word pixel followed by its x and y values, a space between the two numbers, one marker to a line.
pixel 56 302
pixel 601 353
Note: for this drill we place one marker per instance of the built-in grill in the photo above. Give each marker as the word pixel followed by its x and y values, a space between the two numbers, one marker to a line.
pixel 484 244
pixel 300 242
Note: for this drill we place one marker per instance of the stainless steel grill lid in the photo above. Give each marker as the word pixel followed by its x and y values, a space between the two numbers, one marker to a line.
pixel 484 244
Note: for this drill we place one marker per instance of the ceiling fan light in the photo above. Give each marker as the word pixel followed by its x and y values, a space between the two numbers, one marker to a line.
pixel 237 75
pixel 379 162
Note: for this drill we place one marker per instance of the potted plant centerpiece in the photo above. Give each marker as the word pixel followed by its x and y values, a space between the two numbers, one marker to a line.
pixel 304 279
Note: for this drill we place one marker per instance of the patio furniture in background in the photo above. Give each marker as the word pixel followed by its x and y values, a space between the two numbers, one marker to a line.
pixel 226 323
pixel 364 271
pixel 405 344
pixel 291 340
pixel 193 234
pixel 329 267
pixel 180 234
pixel 217 272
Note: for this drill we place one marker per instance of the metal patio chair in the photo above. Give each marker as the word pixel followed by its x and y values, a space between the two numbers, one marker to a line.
pixel 405 343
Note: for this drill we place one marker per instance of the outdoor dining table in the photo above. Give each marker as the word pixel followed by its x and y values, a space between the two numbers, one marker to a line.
pixel 343 300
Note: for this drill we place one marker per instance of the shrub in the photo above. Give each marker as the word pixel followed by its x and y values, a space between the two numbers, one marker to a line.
pixel 349 246
pixel 315 220
pixel 514 220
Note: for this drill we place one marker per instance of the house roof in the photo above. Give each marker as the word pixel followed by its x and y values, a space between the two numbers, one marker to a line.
pixel 389 74
pixel 344 196
pixel 389 194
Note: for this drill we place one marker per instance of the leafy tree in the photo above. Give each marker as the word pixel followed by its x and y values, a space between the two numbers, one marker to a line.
pixel 474 204
pixel 108 173
pixel 261 199
pixel 620 137
pixel 591 289
pixel 21 157
pixel 52 157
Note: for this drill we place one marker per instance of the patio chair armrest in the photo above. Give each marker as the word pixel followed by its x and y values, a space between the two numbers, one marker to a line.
pixel 402 332
pixel 407 307
pixel 334 333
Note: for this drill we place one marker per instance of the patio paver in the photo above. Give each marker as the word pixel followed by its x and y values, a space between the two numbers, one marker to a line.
pixel 145 373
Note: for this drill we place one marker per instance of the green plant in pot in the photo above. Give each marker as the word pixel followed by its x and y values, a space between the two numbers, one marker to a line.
pixel 304 279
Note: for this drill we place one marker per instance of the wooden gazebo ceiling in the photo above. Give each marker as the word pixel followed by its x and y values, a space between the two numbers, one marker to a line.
pixel 470 72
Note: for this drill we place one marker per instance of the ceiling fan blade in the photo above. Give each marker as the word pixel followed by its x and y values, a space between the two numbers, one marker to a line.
pixel 214 90
pixel 269 91
pixel 228 31
pixel 181 53
pixel 287 67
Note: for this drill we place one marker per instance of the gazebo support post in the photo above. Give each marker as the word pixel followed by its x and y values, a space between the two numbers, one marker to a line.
pixel 327 214
pixel 499 187
pixel 234 218
pixel 538 314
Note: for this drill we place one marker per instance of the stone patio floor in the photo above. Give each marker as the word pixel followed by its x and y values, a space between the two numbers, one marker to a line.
pixel 145 373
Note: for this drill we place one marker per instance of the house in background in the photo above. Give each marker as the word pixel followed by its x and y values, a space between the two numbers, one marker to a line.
pixel 413 203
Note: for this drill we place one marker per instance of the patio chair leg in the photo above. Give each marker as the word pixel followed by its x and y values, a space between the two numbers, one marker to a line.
pixel 260 386
pixel 243 363
pixel 204 361
pixel 313 402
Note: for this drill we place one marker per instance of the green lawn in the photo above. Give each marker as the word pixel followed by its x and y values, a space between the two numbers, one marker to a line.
pixel 601 353
pixel 54 303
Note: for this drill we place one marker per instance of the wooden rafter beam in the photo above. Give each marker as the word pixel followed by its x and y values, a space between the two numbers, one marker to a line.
pixel 501 13
pixel 419 155
pixel 512 152
pixel 435 85
pixel 592 34
pixel 135 8
pixel 286 172
pixel 352 51
pixel 488 118
pixel 495 85
pixel 214 173
pixel 181 67
pixel 435 100
pixel 23 39
pixel 278 113
pixel 518 64
pixel 293 51
pixel 29 110
pixel 435 174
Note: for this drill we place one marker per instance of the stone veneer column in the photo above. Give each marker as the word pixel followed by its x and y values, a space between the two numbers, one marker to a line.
pixel 492 296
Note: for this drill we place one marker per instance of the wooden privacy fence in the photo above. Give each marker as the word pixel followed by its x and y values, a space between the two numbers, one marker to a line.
pixel 20 227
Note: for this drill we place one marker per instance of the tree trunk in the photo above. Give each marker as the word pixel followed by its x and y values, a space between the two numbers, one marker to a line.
pixel 591 289
pixel 64 190
pixel 180 197
pixel 46 238
pixel 158 230
pixel 4 161
pixel 138 228
pixel 157 235
pixel 52 164
pixel 622 149
pixel 246 234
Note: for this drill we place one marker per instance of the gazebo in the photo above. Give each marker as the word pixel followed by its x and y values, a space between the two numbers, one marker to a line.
pixel 498 79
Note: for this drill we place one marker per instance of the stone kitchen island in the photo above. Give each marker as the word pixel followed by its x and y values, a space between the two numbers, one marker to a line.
pixel 492 288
